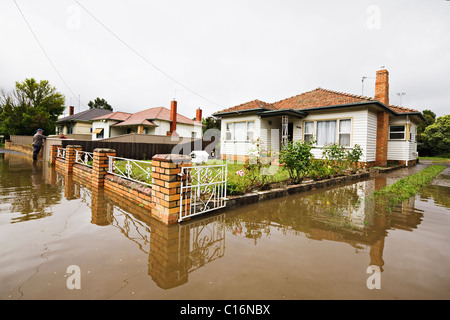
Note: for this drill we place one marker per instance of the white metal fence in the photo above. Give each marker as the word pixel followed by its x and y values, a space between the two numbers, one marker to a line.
pixel 61 153
pixel 203 189
pixel 131 169
pixel 84 158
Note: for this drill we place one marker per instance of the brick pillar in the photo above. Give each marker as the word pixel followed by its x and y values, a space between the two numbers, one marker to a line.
pixel 100 166
pixel 53 153
pixel 99 207
pixel 169 252
pixel 382 138
pixel 70 157
pixel 166 183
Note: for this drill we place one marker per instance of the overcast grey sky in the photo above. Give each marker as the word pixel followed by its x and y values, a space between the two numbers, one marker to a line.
pixel 217 54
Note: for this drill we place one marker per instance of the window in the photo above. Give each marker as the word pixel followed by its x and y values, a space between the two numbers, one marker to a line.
pixel 229 131
pixel 326 132
pixel 345 130
pixel 397 132
pixel 308 134
pixel 412 133
pixel 250 129
pixel 240 131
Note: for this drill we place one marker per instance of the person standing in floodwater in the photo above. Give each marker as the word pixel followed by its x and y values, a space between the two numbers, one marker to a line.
pixel 38 139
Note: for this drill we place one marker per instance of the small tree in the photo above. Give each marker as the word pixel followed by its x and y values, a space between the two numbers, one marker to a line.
pixel 99 104
pixel 297 159
pixel 354 156
pixel 30 106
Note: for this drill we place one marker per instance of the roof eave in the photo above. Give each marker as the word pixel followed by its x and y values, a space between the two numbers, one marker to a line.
pixel 291 112
pixel 237 112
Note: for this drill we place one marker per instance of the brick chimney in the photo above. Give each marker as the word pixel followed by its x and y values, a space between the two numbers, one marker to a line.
pixel 71 109
pixel 382 95
pixel 382 87
pixel 198 115
pixel 173 116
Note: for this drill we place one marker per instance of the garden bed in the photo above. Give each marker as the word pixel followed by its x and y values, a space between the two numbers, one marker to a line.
pixel 287 189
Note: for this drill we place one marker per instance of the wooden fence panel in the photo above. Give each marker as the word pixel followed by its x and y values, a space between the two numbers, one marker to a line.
pixel 140 151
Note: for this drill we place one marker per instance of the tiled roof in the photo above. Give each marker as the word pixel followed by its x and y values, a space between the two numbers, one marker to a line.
pixel 310 100
pixel 144 117
pixel 255 104
pixel 118 115
pixel 402 109
pixel 319 98
pixel 87 115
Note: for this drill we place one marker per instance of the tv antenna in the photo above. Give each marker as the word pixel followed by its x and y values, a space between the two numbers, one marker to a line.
pixel 401 94
pixel 362 84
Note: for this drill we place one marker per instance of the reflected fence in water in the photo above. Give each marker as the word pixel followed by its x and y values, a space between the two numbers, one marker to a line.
pixel 341 213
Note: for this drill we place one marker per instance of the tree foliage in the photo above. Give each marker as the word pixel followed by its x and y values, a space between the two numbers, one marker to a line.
pixel 430 118
pixel 211 123
pixel 30 106
pixel 99 104
pixel 436 136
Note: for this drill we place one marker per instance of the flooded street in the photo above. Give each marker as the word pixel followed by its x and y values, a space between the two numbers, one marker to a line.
pixel 313 245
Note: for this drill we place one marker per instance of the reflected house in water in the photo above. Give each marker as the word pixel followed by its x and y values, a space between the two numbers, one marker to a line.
pixel 341 214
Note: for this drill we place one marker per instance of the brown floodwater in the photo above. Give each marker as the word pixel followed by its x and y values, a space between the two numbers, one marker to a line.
pixel 314 245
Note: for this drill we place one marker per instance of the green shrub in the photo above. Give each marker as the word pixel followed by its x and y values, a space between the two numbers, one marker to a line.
pixel 297 159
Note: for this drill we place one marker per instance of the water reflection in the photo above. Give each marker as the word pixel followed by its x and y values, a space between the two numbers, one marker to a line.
pixel 24 190
pixel 343 214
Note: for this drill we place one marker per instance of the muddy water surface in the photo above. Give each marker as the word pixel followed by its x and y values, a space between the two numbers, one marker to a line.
pixel 314 245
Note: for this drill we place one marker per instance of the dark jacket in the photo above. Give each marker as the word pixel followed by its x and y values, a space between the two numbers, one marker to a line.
pixel 38 139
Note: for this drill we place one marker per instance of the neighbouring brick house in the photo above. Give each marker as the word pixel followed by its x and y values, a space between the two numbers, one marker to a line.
pixel 385 132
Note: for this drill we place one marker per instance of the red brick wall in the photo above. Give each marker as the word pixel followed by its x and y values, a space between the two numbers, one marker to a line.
pixel 382 138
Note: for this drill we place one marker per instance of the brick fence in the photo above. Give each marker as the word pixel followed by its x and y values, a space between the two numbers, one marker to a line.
pixel 161 200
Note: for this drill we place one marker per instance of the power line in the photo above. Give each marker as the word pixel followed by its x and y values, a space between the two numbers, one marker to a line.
pixel 45 52
pixel 142 57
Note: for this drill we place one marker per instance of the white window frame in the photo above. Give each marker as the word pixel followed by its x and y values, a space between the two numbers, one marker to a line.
pixel 230 131
pixel 309 134
pixel 313 135
pixel 349 133
pixel 397 132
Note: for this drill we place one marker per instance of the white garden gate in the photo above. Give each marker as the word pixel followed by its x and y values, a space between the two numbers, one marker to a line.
pixel 203 189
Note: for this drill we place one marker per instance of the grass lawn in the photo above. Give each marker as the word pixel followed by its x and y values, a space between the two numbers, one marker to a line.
pixel 436 159
pixel 407 187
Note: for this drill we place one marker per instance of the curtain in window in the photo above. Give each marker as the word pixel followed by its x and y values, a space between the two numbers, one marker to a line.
pixel 240 131
pixel 326 132
pixel 345 128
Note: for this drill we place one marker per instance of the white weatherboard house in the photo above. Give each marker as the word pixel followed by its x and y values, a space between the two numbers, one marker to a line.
pixel 385 132
pixel 158 121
